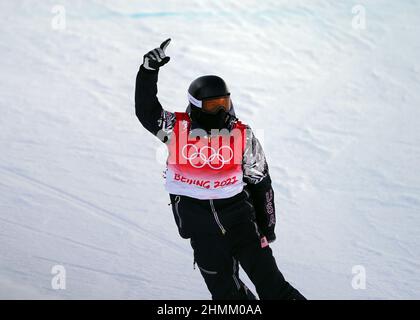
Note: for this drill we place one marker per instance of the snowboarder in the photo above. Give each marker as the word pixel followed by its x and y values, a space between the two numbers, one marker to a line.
pixel 218 182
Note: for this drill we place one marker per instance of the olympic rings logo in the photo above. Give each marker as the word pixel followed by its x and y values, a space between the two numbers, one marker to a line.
pixel 198 158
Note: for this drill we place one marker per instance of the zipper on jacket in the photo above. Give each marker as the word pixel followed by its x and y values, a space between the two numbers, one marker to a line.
pixel 216 217
pixel 177 200
pixel 256 230
pixel 249 203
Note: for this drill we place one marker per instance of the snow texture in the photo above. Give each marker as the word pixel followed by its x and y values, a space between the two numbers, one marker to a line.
pixel 335 100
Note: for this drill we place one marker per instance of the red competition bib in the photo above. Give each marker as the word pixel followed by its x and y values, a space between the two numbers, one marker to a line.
pixel 205 166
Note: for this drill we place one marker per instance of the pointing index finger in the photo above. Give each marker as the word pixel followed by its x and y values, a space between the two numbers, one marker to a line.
pixel 165 44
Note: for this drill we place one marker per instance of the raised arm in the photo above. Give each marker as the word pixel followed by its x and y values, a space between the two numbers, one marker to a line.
pixel 148 108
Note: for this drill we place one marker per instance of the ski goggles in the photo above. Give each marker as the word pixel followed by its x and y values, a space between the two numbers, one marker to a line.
pixel 212 105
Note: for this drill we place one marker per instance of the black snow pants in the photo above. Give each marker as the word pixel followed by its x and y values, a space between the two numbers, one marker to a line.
pixel 218 258
pixel 223 235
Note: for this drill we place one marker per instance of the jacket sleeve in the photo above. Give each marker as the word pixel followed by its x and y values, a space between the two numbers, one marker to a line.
pixel 149 111
pixel 258 180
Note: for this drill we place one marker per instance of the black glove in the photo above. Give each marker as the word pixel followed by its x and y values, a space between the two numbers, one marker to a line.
pixel 267 237
pixel 156 58
pixel 270 236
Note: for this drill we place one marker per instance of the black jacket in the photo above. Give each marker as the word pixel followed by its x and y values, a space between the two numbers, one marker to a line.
pixel 255 202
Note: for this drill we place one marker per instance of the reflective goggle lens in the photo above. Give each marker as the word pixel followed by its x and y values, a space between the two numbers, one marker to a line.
pixel 215 104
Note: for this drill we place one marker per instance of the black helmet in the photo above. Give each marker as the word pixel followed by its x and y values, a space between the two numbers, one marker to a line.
pixel 202 88
pixel 208 87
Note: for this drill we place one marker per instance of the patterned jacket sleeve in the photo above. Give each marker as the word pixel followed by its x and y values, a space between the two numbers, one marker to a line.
pixel 257 177
pixel 149 111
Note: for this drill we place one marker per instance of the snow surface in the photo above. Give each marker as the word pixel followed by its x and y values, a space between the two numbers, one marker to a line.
pixel 338 109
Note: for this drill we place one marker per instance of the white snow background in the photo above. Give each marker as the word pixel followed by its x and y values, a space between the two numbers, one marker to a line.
pixel 337 106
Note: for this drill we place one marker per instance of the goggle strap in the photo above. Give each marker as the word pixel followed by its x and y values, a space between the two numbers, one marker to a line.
pixel 195 101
